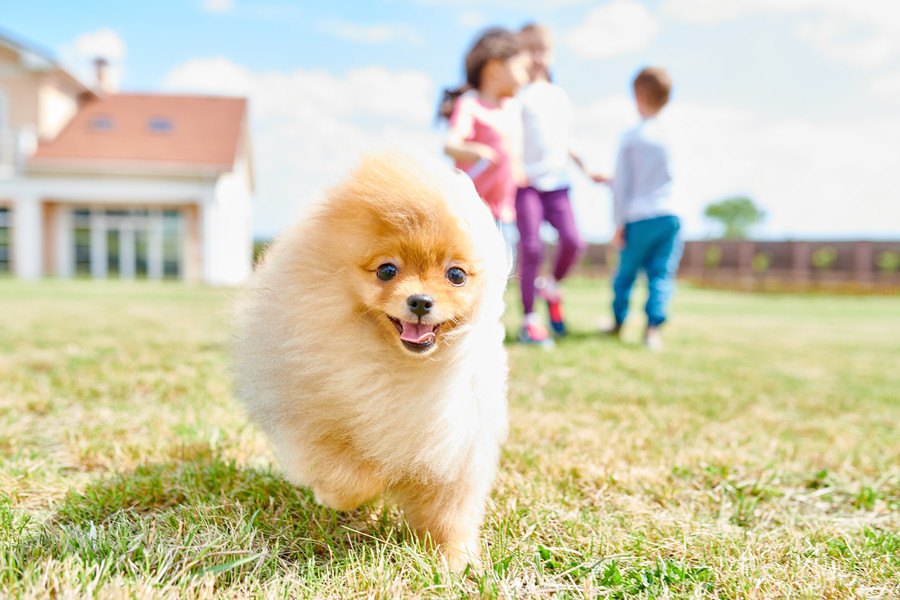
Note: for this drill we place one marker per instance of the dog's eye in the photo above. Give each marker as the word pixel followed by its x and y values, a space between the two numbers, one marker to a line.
pixel 386 272
pixel 456 276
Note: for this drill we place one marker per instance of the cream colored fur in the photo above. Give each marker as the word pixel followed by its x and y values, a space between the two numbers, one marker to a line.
pixel 352 413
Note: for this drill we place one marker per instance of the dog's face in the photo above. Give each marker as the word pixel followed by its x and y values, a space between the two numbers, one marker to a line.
pixel 415 265
pixel 418 291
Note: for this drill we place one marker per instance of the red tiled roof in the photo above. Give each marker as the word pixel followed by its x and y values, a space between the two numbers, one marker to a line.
pixel 149 130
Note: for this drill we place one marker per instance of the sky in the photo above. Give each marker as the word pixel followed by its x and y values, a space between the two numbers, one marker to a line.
pixel 793 103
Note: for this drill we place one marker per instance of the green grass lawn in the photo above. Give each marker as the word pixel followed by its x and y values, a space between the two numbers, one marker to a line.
pixel 757 456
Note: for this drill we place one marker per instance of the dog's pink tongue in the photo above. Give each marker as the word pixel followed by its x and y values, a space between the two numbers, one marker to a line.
pixel 416 333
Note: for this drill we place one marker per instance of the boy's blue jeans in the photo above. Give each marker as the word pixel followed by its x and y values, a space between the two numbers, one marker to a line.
pixel 654 246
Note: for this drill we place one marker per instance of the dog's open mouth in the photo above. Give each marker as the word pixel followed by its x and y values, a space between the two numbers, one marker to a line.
pixel 417 337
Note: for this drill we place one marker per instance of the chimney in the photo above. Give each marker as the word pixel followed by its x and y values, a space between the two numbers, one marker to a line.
pixel 100 69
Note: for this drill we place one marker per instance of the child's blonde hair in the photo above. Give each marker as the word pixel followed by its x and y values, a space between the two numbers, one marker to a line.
pixel 535 28
pixel 531 30
pixel 655 85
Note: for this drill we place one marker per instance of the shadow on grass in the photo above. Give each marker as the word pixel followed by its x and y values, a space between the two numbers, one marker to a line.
pixel 198 514
pixel 574 336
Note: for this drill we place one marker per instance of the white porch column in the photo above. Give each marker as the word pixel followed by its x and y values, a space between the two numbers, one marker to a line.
pixel 210 234
pixel 155 245
pixel 65 253
pixel 98 244
pixel 126 250
pixel 28 239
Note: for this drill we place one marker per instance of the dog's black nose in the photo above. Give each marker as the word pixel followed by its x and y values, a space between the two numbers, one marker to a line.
pixel 420 304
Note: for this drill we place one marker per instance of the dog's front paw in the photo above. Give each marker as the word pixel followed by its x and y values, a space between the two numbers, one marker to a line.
pixel 460 554
pixel 335 500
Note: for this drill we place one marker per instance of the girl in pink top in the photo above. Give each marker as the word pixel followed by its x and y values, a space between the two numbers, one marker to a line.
pixel 484 128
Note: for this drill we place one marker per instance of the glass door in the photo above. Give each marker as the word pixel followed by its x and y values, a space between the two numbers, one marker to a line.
pixel 128 244
pixel 5 240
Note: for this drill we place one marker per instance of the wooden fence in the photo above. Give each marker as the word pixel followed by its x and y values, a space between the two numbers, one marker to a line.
pixel 842 266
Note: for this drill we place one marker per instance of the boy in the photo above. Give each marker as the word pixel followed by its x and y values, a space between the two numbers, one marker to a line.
pixel 646 227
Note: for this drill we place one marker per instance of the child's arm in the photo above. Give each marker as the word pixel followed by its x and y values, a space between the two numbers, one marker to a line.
pixel 464 151
pixel 618 238
pixel 595 177
pixel 461 127
pixel 620 191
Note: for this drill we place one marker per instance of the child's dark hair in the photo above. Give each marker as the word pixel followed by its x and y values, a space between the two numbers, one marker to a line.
pixel 495 43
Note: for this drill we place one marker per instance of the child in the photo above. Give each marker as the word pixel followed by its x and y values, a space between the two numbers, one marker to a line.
pixel 646 227
pixel 484 128
pixel 547 119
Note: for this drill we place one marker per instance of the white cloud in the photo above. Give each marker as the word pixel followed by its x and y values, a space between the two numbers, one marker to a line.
pixel 472 19
pixel 714 11
pixel 830 35
pixel 617 27
pixel 218 6
pixel 886 87
pixel 78 56
pixel 812 178
pixel 711 11
pixel 376 33
pixel 523 5
pixel 309 127
pixel 864 33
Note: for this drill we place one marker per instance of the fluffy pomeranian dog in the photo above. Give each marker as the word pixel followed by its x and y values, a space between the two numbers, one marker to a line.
pixel 370 348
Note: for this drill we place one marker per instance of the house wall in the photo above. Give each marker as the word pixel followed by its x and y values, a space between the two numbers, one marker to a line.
pixel 228 226
pixel 37 102
pixel 20 88
pixel 58 104
pixel 18 96
pixel 37 201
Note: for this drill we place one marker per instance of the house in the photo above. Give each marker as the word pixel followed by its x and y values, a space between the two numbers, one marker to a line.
pixel 108 185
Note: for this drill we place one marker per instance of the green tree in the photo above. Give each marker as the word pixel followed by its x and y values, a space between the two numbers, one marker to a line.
pixel 737 216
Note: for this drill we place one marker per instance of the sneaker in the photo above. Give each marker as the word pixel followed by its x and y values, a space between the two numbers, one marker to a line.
pixel 609 327
pixel 535 333
pixel 553 297
pixel 612 331
pixel 554 307
pixel 653 339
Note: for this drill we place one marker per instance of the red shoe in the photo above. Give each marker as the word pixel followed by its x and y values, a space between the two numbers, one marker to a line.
pixel 557 323
pixel 553 297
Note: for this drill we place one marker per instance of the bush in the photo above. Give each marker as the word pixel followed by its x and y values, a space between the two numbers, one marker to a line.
pixel 712 257
pixel 824 258
pixel 888 262
pixel 761 263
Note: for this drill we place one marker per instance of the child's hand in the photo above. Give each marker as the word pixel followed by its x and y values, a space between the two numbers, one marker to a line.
pixel 618 238
pixel 599 178
pixel 485 152
pixel 470 152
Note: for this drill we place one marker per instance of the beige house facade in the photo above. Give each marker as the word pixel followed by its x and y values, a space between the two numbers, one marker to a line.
pixel 132 186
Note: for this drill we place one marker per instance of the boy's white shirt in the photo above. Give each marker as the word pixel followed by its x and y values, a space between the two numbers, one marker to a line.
pixel 644 182
pixel 546 126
